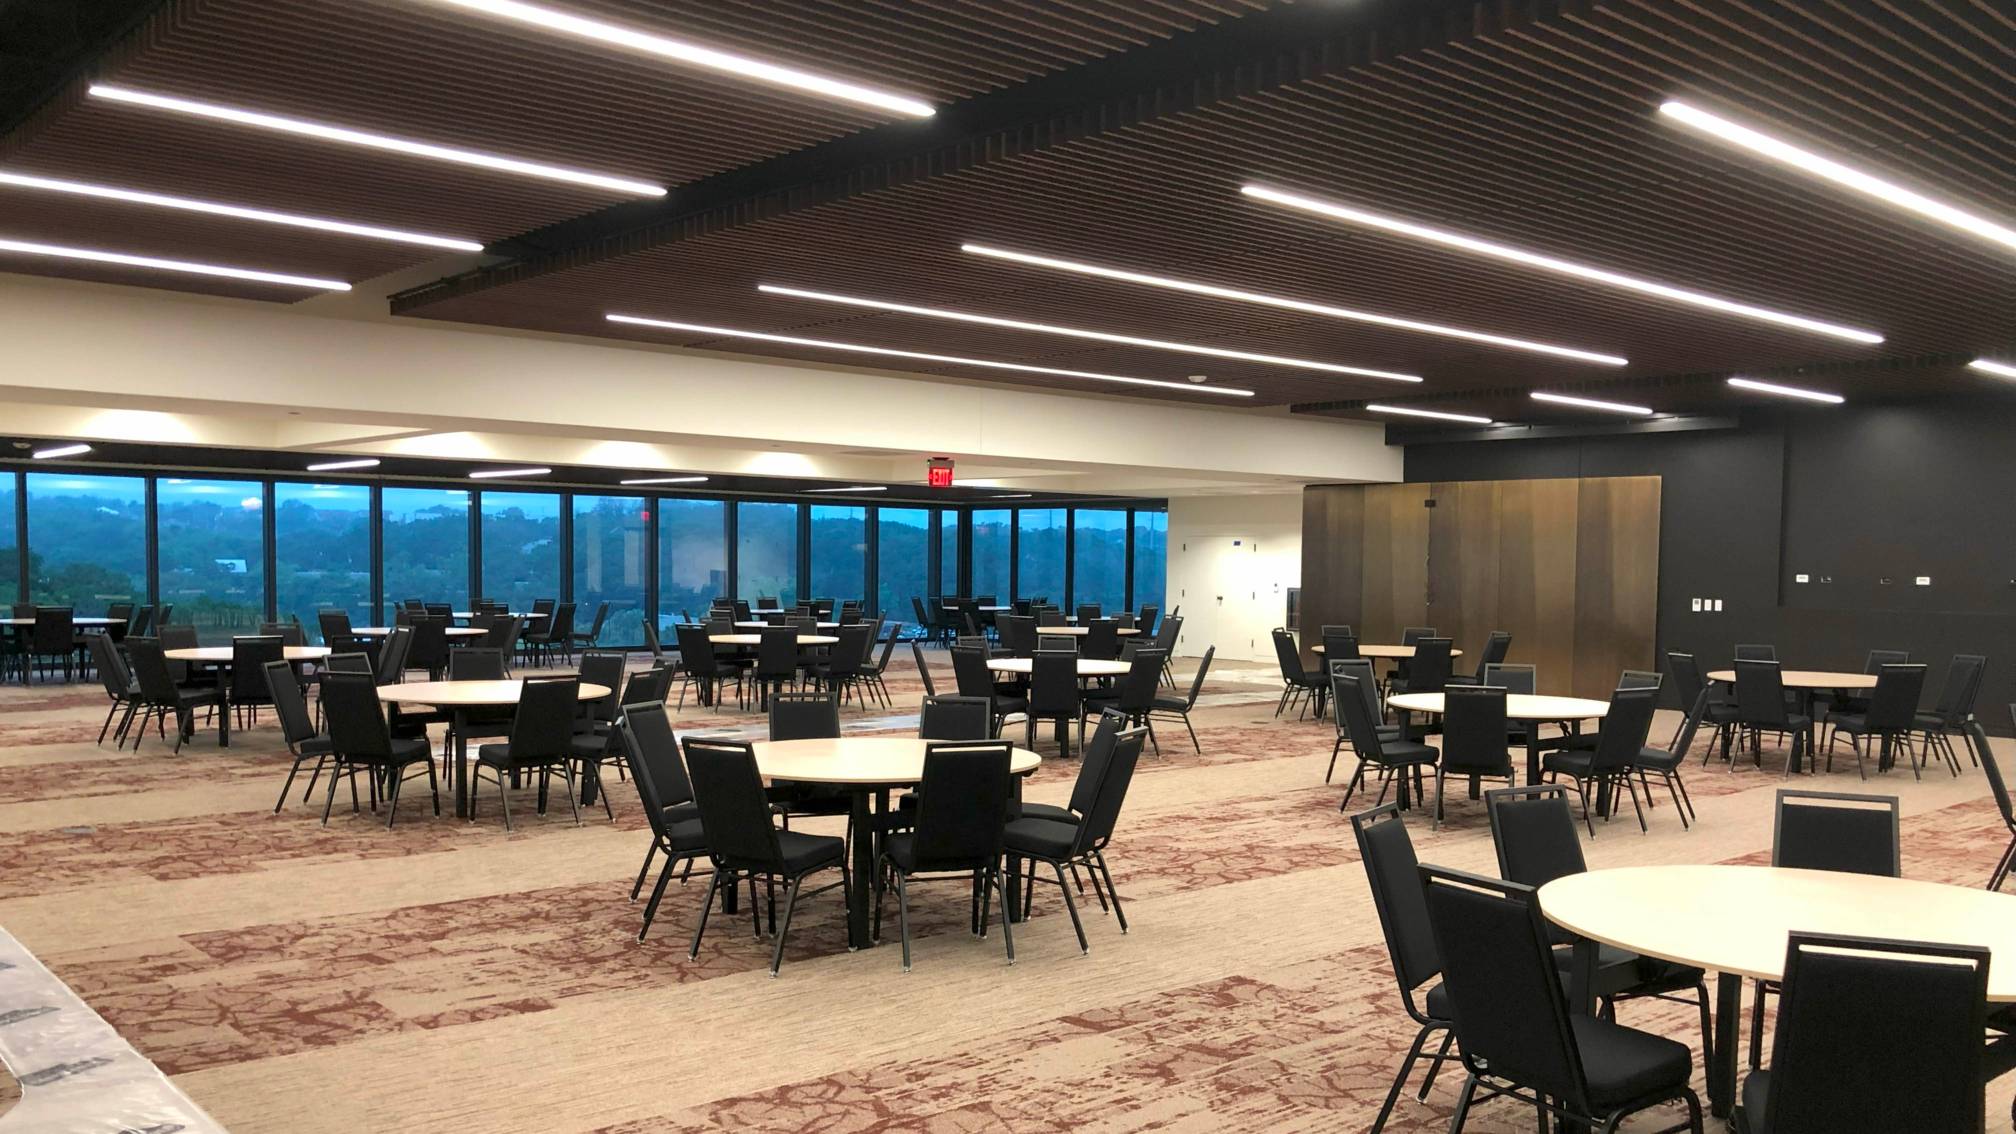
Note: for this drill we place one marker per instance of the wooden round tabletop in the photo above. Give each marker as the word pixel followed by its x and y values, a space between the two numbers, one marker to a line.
pixel 1806 679
pixel 758 625
pixel 513 614
pixel 75 620
pixel 451 631
pixel 1518 706
pixel 1735 919
pixel 757 639
pixel 1087 667
pixel 986 609
pixel 1081 631
pixel 223 653
pixel 1377 651
pixel 451 693
pixel 868 760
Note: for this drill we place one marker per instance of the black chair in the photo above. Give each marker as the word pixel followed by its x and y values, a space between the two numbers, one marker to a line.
pixel 1665 763
pixel 1180 707
pixel 1755 652
pixel 777 662
pixel 160 695
pixel 1165 640
pixel 1368 691
pixel 1073 845
pixel 593 636
pixel 2000 788
pixel 1402 905
pixel 594 743
pixel 391 660
pixel 1716 710
pixel 1888 718
pixel 1473 738
pixel 1054 696
pixel 961 811
pixel 701 670
pixel 1760 708
pixel 1921 1005
pixel 1145 621
pixel 974 679
pixel 304 743
pixel 875 672
pixel 52 641
pixel 652 643
pixel 142 622
pixel 843 670
pixel 248 690
pixel 1101 641
pixel 1134 696
pixel 954 718
pixel 1495 648
pixel 289 633
pixel 1955 708
pixel 742 842
pixel 1409 636
pixel 361 741
pixel 923 669
pixel 805 715
pixel 651 749
pixel 335 625
pixel 1613 760
pixel 429 648
pixel 120 687
pixel 552 635
pixel 542 740
pixel 1513 1028
pixel 1428 671
pixel 1391 758
pixel 1297 683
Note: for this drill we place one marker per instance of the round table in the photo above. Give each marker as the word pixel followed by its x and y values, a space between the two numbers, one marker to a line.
pixel 219 658
pixel 755 624
pixel 1391 653
pixel 757 639
pixel 1087 667
pixel 451 631
pixel 75 620
pixel 1734 920
pixel 1807 682
pixel 458 697
pixel 512 614
pixel 1081 631
pixel 868 766
pixel 1529 707
pixel 985 609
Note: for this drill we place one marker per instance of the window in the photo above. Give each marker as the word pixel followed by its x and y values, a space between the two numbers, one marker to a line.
pixel 692 557
pixel 322 553
pixel 10 541
pixel 87 540
pixel 766 552
pixel 902 560
pixel 1151 558
pixel 211 536
pixel 839 552
pixel 990 551
pixel 426 545
pixel 609 536
pixel 1040 554
pixel 948 552
pixel 1099 558
pixel 521 548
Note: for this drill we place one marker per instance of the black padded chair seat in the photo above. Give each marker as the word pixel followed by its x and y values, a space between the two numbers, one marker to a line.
pixel 682 812
pixel 590 747
pixel 1406 752
pixel 1756 1096
pixel 1043 838
pixel 804 853
pixel 1657 759
pixel 1005 704
pixel 1048 811
pixel 686 834
pixel 1622 1064
pixel 1437 1005
pixel 404 749
pixel 1568 763
pixel 902 849
pixel 496 755
pixel 1172 704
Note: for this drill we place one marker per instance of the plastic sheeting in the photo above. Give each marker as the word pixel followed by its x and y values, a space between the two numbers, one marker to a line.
pixel 77 1076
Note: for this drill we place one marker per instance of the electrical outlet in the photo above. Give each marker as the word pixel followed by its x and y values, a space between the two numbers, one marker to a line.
pixel 1924 580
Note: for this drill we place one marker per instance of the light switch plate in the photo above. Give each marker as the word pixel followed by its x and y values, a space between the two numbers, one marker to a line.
pixel 1924 580
pixel 1718 605
pixel 1697 606
pixel 1802 578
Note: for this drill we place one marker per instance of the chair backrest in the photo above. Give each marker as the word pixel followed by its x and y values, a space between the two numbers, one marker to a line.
pixel 289 633
pixel 1893 704
pixel 955 718
pixel 1639 679
pixel 1285 653
pixel 1101 640
pixel 1348 701
pixel 923 669
pixel 1963 684
pixel 1412 635
pixel 601 616
pixel 150 670
pixel 1145 621
pixel 1624 728
pixel 1339 644
pixel 1495 648
pixel 347 663
pixel 1103 813
pixel 1397 895
pixel 734 812
pixel 651 748
pixel 543 606
pixel 543 726
pixel 696 650
pixel 392 655
pixel 1473 731
pixel 140 625
pixel 1053 684
pixel 802 715
pixel 962 803
pixel 476 663
pixel 335 625
pixel 561 624
pixel 1996 783
pixel 1756 651
pixel 502 634
pixel 969 669
pixel 1824 830
pixel 1049 616
pixel 1505 996
pixel 1172 629
pixel 603 667
pixel 438 609
pixel 356 717
pixel 288 704
pixel 1686 678
pixel 651 641
pixel 1197 681
pixel 178 637
pixel 248 657
pixel 54 632
pixel 112 670
pixel 888 644
pixel 1924 1004
pixel 1018 633
pixel 1534 833
pixel 1512 677
pixel 1141 682
pixel 777 652
pixel 852 649
pixel 1760 692
pixel 1087 611
pixel 1879 658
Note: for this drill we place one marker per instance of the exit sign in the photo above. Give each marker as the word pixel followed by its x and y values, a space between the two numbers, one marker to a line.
pixel 938 473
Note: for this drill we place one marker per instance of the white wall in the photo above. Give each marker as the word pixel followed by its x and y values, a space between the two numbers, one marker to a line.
pixel 1231 562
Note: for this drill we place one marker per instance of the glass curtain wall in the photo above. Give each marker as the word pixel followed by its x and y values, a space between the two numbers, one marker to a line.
pixel 1151 558
pixel 839 552
pixel 993 529
pixel 87 540
pixel 426 545
pixel 902 561
pixel 1040 554
pixel 322 553
pixel 948 552
pixel 766 551
pixel 10 540
pixel 609 534
pixel 212 554
pixel 1099 558
pixel 692 558
pixel 521 547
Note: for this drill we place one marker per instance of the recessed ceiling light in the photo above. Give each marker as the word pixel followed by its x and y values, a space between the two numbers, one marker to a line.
pixel 699 56
pixel 376 141
pixel 1217 292
pixel 27 181
pixel 1779 150
pixel 1012 496
pixel 187 266
pixel 1592 403
pixel 333 466
pixel 61 451
pixel 492 474
pixel 1437 414
pixel 1077 333
pixel 1565 267
pixel 724 332
pixel 666 480
pixel 1999 369
pixel 855 488
pixel 1787 391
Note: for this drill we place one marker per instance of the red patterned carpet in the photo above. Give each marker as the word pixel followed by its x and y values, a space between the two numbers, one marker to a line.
pixel 448 976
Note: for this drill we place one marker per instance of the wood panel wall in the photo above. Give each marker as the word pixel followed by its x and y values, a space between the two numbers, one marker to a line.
pixel 1569 566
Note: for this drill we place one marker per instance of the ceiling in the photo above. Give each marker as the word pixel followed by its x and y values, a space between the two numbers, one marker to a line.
pixel 1117 133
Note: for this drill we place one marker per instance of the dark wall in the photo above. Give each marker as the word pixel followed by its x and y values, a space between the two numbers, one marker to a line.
pixel 1855 495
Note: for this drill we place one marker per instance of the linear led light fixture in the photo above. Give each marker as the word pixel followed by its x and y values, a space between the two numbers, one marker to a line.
pixel 493 474
pixel 1566 267
pixel 376 141
pixel 1012 496
pixel 1079 333
pixel 1787 391
pixel 189 266
pixel 699 56
pixel 1804 160
pixel 1437 414
pixel 336 466
pixel 829 344
pixel 82 189
pixel 1999 369
pixel 1592 403
pixel 665 480
pixel 1216 292
pixel 61 451
pixel 855 488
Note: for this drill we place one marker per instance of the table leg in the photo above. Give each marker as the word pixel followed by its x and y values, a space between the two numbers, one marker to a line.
pixel 861 892
pixel 1722 1062
pixel 1532 752
pixel 223 707
pixel 459 774
pixel 1582 978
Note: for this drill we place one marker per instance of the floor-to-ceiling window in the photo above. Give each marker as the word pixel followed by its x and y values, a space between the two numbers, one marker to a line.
pixel 212 552
pixel 902 560
pixel 692 557
pixel 426 545
pixel 1151 558
pixel 1099 558
pixel 839 552
pixel 521 547
pixel 609 534
pixel 766 551
pixel 992 529
pixel 10 541
pixel 948 552
pixel 1040 554
pixel 322 552
pixel 87 540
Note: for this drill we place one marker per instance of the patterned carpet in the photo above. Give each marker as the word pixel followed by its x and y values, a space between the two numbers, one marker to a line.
pixel 448 976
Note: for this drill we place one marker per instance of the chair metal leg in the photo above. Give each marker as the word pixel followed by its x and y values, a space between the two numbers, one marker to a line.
pixel 650 853
pixel 1435 1064
pixel 1099 859
pixel 1084 947
pixel 903 917
pixel 790 905
pixel 1400 1080
pixel 1462 1113
pixel 706 908
pixel 995 880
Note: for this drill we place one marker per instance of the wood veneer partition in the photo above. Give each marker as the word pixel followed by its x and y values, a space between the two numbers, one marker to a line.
pixel 1569 566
